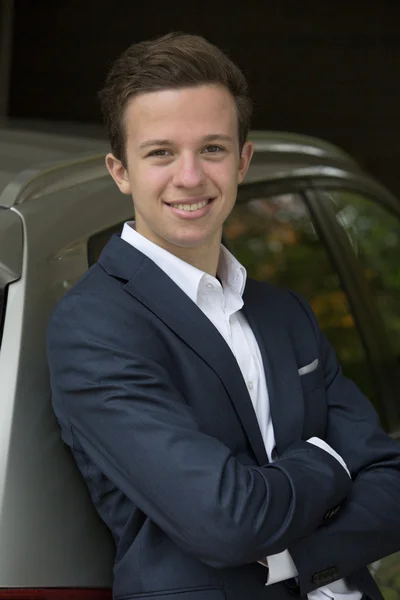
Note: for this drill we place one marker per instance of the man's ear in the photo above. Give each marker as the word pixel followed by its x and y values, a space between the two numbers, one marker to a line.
pixel 118 173
pixel 245 158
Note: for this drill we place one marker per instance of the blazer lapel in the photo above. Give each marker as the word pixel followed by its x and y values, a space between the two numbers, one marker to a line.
pixel 153 288
pixel 263 312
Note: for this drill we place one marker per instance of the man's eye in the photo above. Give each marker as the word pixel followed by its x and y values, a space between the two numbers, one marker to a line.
pixel 159 153
pixel 213 149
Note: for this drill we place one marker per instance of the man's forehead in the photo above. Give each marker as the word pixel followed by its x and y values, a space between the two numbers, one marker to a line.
pixel 203 113
pixel 207 102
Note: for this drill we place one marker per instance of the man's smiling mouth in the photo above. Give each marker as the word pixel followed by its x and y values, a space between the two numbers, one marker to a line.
pixel 191 206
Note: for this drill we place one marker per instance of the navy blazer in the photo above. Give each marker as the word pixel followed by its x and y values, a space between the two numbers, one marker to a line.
pixel 154 407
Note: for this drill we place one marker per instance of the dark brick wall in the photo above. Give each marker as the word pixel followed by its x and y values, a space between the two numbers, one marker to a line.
pixel 330 69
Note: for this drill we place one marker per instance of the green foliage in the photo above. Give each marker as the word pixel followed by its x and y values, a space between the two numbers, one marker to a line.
pixel 388 577
pixel 375 236
pixel 276 241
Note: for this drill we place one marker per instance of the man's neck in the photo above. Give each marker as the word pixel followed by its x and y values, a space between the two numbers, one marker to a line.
pixel 204 259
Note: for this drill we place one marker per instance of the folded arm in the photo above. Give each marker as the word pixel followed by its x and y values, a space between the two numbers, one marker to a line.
pixel 135 427
pixel 281 566
pixel 368 525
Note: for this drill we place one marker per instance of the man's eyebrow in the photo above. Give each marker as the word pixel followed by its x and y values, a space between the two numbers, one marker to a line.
pixel 148 143
pixel 211 137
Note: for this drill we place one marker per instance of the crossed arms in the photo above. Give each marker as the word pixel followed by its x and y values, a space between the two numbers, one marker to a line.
pixel 134 425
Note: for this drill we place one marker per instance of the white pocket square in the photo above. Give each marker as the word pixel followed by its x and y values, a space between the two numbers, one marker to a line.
pixel 309 368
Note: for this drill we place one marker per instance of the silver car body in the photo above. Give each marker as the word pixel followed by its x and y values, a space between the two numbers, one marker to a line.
pixel 55 193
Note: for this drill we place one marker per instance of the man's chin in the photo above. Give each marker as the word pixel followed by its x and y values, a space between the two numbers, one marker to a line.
pixel 194 240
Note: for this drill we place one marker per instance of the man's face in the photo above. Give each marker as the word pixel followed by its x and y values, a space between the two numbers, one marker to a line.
pixel 183 164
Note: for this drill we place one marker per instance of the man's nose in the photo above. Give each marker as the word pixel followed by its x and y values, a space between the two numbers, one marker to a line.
pixel 189 172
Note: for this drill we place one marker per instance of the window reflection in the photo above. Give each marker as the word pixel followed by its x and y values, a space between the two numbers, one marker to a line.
pixel 374 233
pixel 276 241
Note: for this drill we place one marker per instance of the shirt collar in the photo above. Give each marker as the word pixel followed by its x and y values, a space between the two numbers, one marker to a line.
pixel 231 273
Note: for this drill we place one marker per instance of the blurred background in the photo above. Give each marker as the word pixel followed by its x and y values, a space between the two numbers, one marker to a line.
pixel 324 69
pixel 329 69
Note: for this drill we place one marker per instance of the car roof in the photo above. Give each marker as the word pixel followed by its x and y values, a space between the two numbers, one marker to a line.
pixel 36 157
pixel 22 149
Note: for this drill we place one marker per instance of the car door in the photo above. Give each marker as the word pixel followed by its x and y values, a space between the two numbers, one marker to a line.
pixel 367 229
pixel 338 246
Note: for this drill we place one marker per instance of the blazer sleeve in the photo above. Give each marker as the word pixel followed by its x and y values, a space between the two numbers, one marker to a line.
pixel 119 405
pixel 368 525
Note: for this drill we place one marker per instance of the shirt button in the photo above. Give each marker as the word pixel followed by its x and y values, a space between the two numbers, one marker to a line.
pixel 250 385
pixel 209 286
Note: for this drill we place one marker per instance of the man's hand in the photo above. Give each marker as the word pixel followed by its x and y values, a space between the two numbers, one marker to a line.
pixel 281 566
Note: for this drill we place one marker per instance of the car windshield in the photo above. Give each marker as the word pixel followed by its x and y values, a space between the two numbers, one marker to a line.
pixel 11 246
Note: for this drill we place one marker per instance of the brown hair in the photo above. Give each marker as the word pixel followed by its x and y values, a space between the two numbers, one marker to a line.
pixel 175 60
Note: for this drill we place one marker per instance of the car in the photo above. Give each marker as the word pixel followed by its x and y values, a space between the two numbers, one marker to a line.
pixel 307 217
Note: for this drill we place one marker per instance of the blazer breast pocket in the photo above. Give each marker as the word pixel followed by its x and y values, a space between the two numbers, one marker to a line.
pixel 315 403
pixel 311 376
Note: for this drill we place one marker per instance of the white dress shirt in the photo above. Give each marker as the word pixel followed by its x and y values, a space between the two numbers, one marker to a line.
pixel 222 305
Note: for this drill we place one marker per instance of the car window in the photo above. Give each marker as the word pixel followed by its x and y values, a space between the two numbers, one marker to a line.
pixel 3 293
pixel 374 234
pixel 11 256
pixel 97 242
pixel 275 238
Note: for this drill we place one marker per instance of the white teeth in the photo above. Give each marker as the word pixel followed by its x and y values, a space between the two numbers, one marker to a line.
pixel 191 207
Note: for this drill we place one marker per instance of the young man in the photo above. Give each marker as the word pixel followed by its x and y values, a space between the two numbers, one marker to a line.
pixel 220 441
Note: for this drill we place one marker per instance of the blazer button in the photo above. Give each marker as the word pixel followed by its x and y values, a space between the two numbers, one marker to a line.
pixel 331 513
pixel 325 576
pixel 317 578
pixel 333 573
